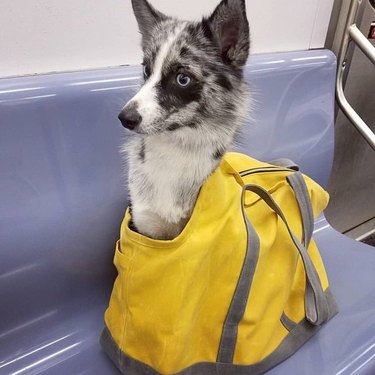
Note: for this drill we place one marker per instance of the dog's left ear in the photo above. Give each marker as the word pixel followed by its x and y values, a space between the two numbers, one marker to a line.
pixel 231 28
pixel 147 17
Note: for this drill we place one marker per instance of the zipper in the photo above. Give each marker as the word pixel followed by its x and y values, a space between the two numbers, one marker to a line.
pixel 264 170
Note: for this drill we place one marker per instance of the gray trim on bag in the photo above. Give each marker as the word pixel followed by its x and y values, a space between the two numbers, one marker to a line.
pixel 291 343
pixel 239 300
pixel 289 324
pixel 298 184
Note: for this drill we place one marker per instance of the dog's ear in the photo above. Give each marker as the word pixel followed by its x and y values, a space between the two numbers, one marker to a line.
pixel 231 28
pixel 147 17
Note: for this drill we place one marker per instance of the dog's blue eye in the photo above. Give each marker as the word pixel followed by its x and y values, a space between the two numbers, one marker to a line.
pixel 183 79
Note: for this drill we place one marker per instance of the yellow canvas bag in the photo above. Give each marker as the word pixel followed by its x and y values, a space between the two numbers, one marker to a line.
pixel 238 291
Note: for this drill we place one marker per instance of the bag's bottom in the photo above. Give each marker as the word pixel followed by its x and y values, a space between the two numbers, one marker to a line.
pixel 297 336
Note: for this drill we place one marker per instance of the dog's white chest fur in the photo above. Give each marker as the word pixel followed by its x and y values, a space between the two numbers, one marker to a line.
pixel 164 181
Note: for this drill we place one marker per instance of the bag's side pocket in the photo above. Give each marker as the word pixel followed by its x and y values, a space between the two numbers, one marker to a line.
pixel 121 259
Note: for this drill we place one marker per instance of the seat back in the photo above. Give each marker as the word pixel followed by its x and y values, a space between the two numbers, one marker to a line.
pixel 62 180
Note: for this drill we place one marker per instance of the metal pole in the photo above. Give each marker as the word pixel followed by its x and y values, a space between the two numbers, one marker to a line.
pixel 362 42
pixel 353 33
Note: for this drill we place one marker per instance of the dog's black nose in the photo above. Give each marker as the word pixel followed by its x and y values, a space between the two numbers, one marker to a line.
pixel 129 117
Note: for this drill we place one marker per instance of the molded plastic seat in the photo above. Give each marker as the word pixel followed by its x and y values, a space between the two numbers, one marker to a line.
pixel 63 195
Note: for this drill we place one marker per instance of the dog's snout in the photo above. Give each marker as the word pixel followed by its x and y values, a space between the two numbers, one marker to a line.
pixel 130 117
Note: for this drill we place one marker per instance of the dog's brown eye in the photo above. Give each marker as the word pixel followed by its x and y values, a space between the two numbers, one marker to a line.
pixel 183 79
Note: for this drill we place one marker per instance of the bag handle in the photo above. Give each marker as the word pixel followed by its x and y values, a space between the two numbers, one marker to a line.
pixel 297 183
pixel 286 163
pixel 315 302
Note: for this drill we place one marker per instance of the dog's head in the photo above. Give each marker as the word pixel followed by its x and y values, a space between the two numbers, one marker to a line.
pixel 192 71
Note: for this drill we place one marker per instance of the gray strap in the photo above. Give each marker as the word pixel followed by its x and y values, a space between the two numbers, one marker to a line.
pixel 241 294
pixel 283 162
pixel 315 302
pixel 297 182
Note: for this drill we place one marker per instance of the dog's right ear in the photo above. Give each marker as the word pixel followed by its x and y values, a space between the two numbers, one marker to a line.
pixel 147 17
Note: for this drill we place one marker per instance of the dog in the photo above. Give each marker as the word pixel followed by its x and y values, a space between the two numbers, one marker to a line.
pixel 185 116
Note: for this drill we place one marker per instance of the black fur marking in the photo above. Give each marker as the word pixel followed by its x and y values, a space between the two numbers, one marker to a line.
pixel 152 56
pixel 192 124
pixel 207 32
pixel 171 95
pixel 171 113
pixel 174 126
pixel 184 51
pixel 224 82
pixel 206 73
pixel 130 212
pixel 229 107
pixel 238 73
pixel 132 226
pixel 146 70
pixel 202 109
pixel 219 153
pixel 131 222
pixel 192 29
pixel 142 152
pixel 218 69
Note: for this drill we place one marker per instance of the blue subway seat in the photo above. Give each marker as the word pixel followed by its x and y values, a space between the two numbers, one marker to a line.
pixel 63 195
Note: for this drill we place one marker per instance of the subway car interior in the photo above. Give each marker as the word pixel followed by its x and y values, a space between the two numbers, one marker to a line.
pixel 66 71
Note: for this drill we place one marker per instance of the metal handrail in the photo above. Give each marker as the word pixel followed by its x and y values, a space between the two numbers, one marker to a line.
pixel 352 33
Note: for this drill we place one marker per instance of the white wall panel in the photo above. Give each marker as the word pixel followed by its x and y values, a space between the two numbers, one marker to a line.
pixel 39 36
pixel 321 23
